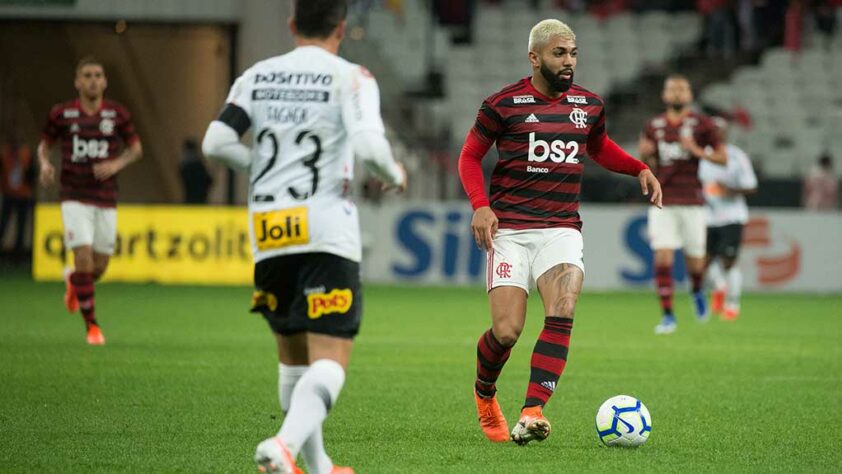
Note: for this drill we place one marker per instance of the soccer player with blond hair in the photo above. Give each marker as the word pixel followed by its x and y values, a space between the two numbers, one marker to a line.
pixel 544 127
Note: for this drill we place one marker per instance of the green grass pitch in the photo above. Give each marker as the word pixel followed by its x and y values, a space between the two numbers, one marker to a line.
pixel 188 383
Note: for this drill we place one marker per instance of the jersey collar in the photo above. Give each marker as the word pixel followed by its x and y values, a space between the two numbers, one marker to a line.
pixel 541 96
pixel 78 104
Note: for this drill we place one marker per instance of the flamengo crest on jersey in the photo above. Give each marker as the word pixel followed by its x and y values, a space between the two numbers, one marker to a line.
pixel 303 106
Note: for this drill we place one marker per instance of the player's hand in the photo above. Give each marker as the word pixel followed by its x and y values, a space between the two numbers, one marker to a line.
pixel 47 175
pixel 649 182
pixel 106 169
pixel 688 142
pixel 646 147
pixel 484 227
pixel 400 187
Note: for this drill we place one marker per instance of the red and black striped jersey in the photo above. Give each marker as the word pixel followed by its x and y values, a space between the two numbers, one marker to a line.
pixel 87 139
pixel 676 168
pixel 541 143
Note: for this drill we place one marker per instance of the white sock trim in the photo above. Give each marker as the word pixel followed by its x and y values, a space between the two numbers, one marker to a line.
pixel 331 381
pixel 288 376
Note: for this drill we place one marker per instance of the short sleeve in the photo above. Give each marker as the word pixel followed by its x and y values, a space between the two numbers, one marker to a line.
pixel 240 94
pixel 598 132
pixel 489 124
pixel 125 127
pixel 360 101
pixel 237 111
pixel 746 177
pixel 708 136
pixel 52 129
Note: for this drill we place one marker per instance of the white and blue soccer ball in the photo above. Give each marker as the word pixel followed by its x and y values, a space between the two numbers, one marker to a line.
pixel 623 421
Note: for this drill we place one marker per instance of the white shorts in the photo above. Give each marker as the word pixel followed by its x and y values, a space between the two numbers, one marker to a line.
pixel 520 257
pixel 678 227
pixel 85 224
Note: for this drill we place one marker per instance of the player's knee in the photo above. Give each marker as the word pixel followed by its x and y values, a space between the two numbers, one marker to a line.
pixel 663 259
pixel 507 334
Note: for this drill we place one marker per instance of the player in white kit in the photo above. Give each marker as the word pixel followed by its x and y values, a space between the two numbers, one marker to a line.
pixel 311 112
pixel 724 189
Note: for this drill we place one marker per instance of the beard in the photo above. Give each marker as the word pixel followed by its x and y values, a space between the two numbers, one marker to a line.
pixel 556 82
pixel 676 106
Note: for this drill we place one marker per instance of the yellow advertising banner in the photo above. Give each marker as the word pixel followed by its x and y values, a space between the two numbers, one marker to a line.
pixel 163 244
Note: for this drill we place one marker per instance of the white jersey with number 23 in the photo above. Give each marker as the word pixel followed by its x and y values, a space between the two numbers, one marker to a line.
pixel 304 107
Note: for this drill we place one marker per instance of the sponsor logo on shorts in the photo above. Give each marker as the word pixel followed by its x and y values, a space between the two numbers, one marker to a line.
pixel 282 228
pixel 504 270
pixel 337 301
pixel 263 299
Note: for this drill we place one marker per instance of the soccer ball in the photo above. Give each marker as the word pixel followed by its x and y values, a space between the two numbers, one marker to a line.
pixel 623 421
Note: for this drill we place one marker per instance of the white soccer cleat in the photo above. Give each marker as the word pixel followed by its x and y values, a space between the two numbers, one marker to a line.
pixel 667 326
pixel 272 456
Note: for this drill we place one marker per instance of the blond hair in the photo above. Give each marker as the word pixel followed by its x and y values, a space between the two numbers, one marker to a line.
pixel 545 30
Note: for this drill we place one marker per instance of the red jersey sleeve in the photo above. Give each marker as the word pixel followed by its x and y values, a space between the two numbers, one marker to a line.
pixel 597 134
pixel 52 130
pixel 482 135
pixel 125 127
pixel 488 125
pixel 610 156
pixel 708 135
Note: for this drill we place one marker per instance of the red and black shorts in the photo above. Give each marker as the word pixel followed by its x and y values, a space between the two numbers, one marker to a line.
pixel 309 292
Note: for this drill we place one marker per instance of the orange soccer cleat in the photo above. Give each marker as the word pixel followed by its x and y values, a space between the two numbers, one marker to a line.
pixel 95 337
pixel 730 314
pixel 491 419
pixel 71 302
pixel 532 426
pixel 341 470
pixel 717 301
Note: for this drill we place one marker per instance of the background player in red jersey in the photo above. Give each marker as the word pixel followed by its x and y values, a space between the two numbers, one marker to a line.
pixel 673 143
pixel 97 140
pixel 543 126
